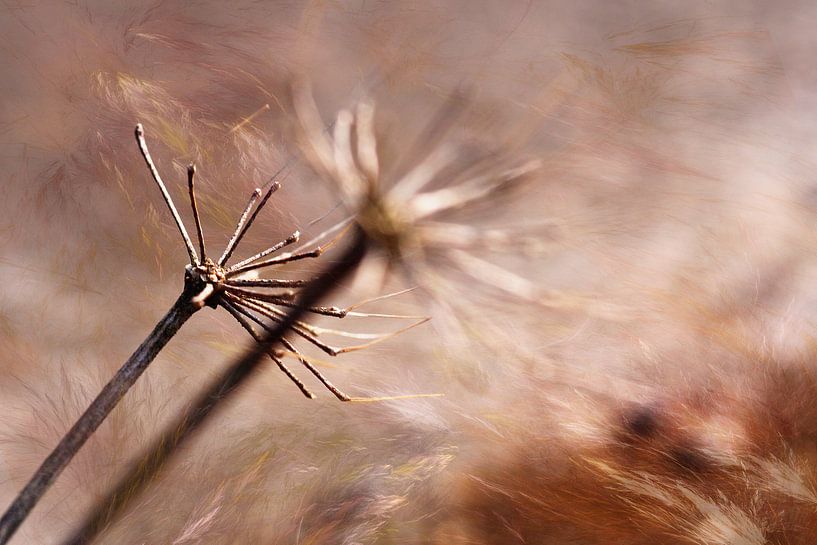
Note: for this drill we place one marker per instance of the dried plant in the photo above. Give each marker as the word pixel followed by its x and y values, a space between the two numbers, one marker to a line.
pixel 423 213
pixel 272 304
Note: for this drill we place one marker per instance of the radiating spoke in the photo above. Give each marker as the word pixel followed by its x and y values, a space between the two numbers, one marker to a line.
pixel 242 227
pixel 143 147
pixel 191 173
pixel 289 257
pixel 320 236
pixel 329 386
pixel 257 337
pixel 234 237
pixel 480 187
pixel 311 333
pixel 277 316
pixel 266 283
pixel 286 242
pixel 335 312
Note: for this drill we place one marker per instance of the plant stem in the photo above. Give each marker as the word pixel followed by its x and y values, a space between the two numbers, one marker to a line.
pixel 94 415
pixel 150 464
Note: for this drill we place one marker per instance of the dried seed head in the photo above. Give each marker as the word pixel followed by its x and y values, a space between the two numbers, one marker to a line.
pixel 410 216
pixel 261 302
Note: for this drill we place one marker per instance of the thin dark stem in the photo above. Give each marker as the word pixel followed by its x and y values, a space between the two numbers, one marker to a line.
pixel 94 415
pixel 145 470
pixel 191 173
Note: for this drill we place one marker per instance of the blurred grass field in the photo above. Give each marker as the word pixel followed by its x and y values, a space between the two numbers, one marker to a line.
pixel 676 271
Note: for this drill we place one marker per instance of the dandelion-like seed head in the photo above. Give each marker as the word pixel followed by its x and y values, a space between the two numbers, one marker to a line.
pixel 258 304
pixel 408 215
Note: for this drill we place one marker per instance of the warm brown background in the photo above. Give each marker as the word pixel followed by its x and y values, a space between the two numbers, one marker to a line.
pixel 678 140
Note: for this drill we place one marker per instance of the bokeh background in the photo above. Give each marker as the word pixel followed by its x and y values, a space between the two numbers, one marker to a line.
pixel 677 261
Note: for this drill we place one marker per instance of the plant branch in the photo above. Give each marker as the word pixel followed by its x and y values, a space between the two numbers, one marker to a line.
pixel 191 174
pixel 143 147
pixel 150 464
pixel 94 415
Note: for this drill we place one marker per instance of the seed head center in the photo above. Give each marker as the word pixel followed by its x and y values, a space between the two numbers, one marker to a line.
pixel 207 281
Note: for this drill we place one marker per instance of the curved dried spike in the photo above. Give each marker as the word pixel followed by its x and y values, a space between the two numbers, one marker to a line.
pixel 266 283
pixel 275 186
pixel 283 258
pixel 311 333
pixel 301 328
pixel 382 338
pixel 143 148
pixel 257 337
pixel 340 225
pixel 301 386
pixel 275 299
pixel 317 330
pixel 288 257
pixel 234 238
pixel 277 316
pixel 390 316
pixel 328 364
pixel 335 312
pixel 191 173
pixel 379 298
pixel 291 239
pixel 329 386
